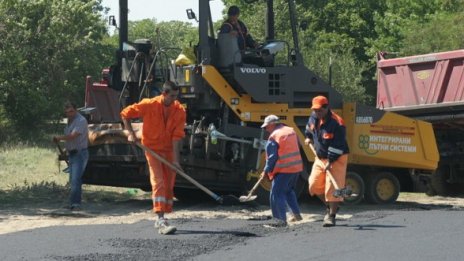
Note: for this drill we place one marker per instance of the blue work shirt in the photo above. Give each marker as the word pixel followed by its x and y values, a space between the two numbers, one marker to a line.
pixel 328 135
pixel 272 152
pixel 272 148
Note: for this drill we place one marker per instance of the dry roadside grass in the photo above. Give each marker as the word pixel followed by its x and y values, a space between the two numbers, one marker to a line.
pixel 24 164
pixel 31 174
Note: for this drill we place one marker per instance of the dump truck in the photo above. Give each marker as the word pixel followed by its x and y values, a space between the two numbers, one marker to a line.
pixel 227 94
pixel 430 87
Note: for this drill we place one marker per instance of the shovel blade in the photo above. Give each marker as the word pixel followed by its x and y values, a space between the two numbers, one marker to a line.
pixel 247 198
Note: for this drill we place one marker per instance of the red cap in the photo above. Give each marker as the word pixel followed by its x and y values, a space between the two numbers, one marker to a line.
pixel 319 101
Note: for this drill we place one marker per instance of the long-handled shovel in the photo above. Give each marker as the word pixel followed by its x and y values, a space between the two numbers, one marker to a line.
pixel 339 192
pixel 250 196
pixel 225 200
pixel 62 153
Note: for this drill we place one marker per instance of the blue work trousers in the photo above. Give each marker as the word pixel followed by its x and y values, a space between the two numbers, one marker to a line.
pixel 283 194
pixel 77 164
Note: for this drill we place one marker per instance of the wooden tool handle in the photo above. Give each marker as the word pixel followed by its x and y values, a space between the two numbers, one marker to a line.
pixel 183 174
pixel 332 179
pixel 255 186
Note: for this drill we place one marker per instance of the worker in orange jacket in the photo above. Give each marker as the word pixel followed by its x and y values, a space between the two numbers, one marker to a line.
pixel 163 128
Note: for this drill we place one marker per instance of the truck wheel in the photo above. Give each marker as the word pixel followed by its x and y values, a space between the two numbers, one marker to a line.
pixel 356 183
pixel 439 181
pixel 382 188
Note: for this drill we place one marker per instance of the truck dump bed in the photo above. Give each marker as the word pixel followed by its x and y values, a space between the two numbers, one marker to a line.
pixel 429 87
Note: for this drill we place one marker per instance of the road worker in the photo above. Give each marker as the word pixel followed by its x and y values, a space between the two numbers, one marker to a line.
pixel 238 29
pixel 163 128
pixel 283 166
pixel 76 142
pixel 326 130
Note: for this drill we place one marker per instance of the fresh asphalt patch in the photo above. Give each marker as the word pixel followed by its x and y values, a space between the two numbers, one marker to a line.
pixel 193 237
pixel 209 232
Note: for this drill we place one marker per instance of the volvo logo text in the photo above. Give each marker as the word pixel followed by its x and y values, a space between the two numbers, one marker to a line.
pixel 253 70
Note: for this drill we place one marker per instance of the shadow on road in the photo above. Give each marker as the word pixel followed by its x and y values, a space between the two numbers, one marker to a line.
pixel 202 232
pixel 370 226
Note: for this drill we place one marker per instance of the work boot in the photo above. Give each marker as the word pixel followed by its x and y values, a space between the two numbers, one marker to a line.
pixel 327 213
pixel 164 228
pixel 76 207
pixel 295 218
pixel 329 220
pixel 73 207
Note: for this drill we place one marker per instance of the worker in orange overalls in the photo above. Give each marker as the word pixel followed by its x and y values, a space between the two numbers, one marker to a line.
pixel 283 166
pixel 163 128
pixel 326 130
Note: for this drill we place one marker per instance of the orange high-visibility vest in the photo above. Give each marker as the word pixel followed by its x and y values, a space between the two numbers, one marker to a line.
pixel 289 153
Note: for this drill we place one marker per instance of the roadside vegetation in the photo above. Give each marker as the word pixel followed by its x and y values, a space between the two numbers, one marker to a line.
pixel 30 174
pixel 64 41
pixel 48 47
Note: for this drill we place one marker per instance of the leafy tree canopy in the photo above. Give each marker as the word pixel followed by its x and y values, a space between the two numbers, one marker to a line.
pixel 47 49
pixel 49 46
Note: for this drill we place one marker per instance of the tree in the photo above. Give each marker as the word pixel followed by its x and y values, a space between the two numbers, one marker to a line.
pixel 173 34
pixel 47 49
pixel 395 18
pixel 443 32
pixel 163 34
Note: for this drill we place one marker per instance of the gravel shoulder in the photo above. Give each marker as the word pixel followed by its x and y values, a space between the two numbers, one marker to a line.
pixel 41 215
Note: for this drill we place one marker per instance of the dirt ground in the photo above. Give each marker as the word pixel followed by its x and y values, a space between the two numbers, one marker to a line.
pixel 131 211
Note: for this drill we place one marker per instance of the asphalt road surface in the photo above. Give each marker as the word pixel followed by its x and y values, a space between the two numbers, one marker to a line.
pixel 413 232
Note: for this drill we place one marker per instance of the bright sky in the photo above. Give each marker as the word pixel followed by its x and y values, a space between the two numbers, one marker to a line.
pixel 162 10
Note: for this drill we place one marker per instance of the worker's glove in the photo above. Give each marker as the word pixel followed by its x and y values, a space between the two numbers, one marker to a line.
pixel 131 137
pixel 307 141
pixel 265 175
